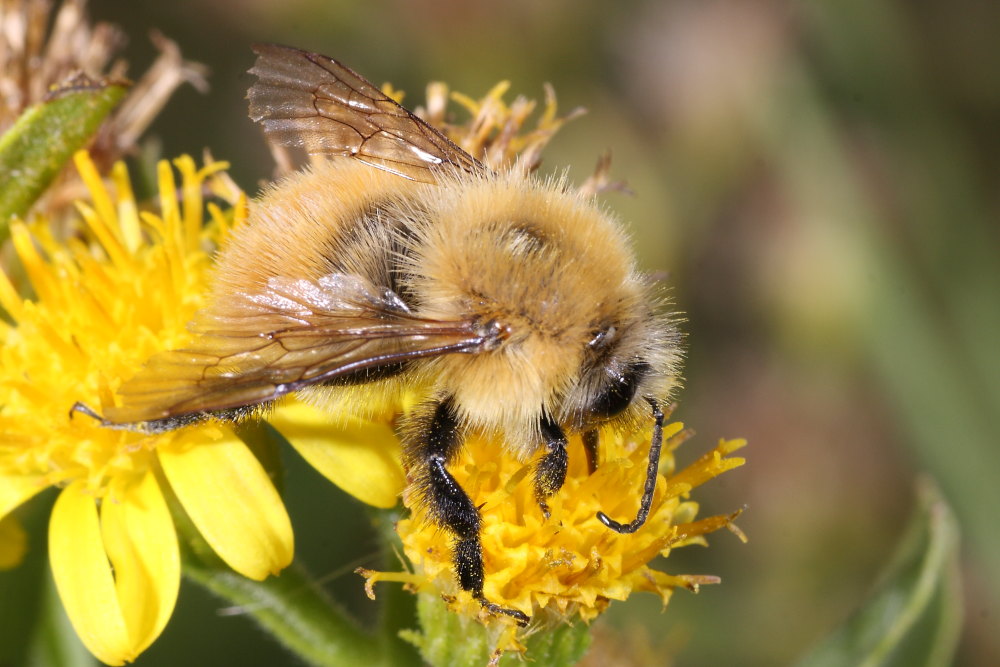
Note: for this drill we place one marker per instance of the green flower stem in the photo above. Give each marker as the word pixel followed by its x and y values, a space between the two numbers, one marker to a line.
pixel 292 607
pixel 296 612
pixel 44 138
pixel 398 607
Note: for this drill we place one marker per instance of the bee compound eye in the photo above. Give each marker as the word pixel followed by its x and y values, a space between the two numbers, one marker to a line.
pixel 618 393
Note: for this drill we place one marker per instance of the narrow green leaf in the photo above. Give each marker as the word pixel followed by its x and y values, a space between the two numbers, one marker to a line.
pixel 44 138
pixel 914 615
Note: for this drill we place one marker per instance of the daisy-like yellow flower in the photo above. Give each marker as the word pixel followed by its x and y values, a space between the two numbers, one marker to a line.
pixel 570 566
pixel 103 303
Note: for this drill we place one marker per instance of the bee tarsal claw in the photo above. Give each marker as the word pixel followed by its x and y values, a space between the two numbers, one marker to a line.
pixel 85 409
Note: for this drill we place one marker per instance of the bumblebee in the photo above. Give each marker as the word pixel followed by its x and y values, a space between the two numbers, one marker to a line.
pixel 511 304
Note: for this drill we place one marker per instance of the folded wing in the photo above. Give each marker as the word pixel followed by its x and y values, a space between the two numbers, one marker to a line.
pixel 254 348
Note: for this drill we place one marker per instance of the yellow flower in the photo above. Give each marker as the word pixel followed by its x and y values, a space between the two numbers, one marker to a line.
pixel 103 303
pixel 569 566
pixel 359 455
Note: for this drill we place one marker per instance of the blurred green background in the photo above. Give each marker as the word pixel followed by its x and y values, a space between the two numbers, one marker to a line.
pixel 818 181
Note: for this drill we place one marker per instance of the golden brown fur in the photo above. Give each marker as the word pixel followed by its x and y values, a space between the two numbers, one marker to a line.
pixel 546 263
pixel 401 264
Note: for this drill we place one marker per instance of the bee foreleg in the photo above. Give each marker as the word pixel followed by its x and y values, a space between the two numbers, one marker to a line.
pixel 649 488
pixel 550 471
pixel 428 451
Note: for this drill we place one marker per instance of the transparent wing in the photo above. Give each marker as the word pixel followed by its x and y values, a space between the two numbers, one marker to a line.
pixel 305 100
pixel 256 348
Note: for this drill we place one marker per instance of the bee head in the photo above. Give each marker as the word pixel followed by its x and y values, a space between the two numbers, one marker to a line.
pixel 631 359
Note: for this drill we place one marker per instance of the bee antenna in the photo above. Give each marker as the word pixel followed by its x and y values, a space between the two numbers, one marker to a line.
pixel 647 494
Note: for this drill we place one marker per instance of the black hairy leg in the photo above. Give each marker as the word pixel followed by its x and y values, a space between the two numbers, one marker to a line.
pixel 428 449
pixel 550 471
pixel 166 424
pixel 591 445
pixel 651 471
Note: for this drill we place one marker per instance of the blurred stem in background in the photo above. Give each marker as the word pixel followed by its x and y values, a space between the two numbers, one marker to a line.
pixel 913 617
pixel 930 321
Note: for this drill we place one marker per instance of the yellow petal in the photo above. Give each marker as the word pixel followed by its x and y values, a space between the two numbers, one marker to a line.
pixel 141 542
pixel 360 457
pixel 98 192
pixel 38 270
pixel 231 500
pixel 13 542
pixel 128 211
pixel 83 576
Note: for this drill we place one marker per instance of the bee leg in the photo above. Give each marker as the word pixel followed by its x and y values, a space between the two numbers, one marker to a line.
pixel 155 426
pixel 651 471
pixel 550 471
pixel 428 451
pixel 591 445
pixel 147 427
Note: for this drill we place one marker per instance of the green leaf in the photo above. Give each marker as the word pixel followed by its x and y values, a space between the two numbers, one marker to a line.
pixel 913 617
pixel 44 138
